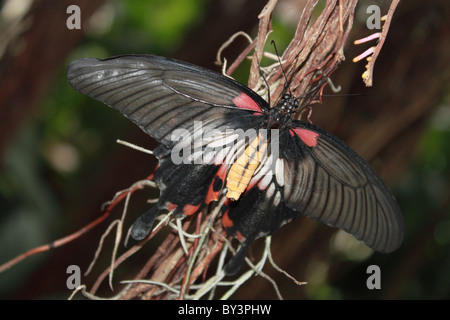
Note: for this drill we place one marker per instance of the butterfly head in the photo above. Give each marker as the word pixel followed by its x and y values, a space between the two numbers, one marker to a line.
pixel 288 104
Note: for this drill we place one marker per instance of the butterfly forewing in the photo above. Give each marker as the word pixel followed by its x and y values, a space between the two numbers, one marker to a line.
pixel 161 95
pixel 331 183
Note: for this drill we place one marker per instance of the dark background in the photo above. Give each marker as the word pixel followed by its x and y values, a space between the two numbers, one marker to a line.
pixel 59 160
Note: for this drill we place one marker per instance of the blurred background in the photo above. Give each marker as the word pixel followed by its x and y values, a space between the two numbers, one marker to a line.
pixel 59 161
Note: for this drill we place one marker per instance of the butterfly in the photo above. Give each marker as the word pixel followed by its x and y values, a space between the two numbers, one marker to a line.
pixel 218 136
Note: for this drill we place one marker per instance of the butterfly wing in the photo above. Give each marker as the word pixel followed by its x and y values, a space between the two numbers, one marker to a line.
pixel 260 211
pixel 161 94
pixel 164 96
pixel 317 175
pixel 328 181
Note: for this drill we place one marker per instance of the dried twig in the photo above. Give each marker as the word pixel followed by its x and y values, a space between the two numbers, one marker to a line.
pixel 317 49
pixel 67 239
pixel 265 18
pixel 373 52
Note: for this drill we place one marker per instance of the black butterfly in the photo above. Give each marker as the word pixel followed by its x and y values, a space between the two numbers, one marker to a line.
pixel 307 171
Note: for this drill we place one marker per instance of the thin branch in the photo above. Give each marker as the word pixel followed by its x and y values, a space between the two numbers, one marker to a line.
pixel 265 18
pixel 373 52
pixel 228 42
pixel 55 244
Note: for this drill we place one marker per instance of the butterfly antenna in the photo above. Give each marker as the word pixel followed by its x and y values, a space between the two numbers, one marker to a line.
pixel 309 95
pixel 285 87
pixel 265 81
pixel 268 88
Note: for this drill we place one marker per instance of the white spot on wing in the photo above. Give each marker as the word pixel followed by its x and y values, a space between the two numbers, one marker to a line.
pixel 279 171
pixel 263 169
pixel 265 181
pixel 220 141
pixel 220 156
pixel 270 190
pixel 277 199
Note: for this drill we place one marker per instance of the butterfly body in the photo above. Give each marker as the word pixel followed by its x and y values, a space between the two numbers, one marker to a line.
pixel 217 135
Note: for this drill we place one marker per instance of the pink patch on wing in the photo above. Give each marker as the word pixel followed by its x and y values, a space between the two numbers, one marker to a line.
pixel 245 102
pixel 308 137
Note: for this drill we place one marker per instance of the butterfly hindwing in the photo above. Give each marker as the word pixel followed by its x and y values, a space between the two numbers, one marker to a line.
pixel 259 212
pixel 322 178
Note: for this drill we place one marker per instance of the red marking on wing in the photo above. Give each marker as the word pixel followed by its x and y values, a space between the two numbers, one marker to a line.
pixel 308 137
pixel 226 221
pixel 150 177
pixel 189 209
pixel 170 206
pixel 239 236
pixel 214 195
pixel 245 102
pixel 252 183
